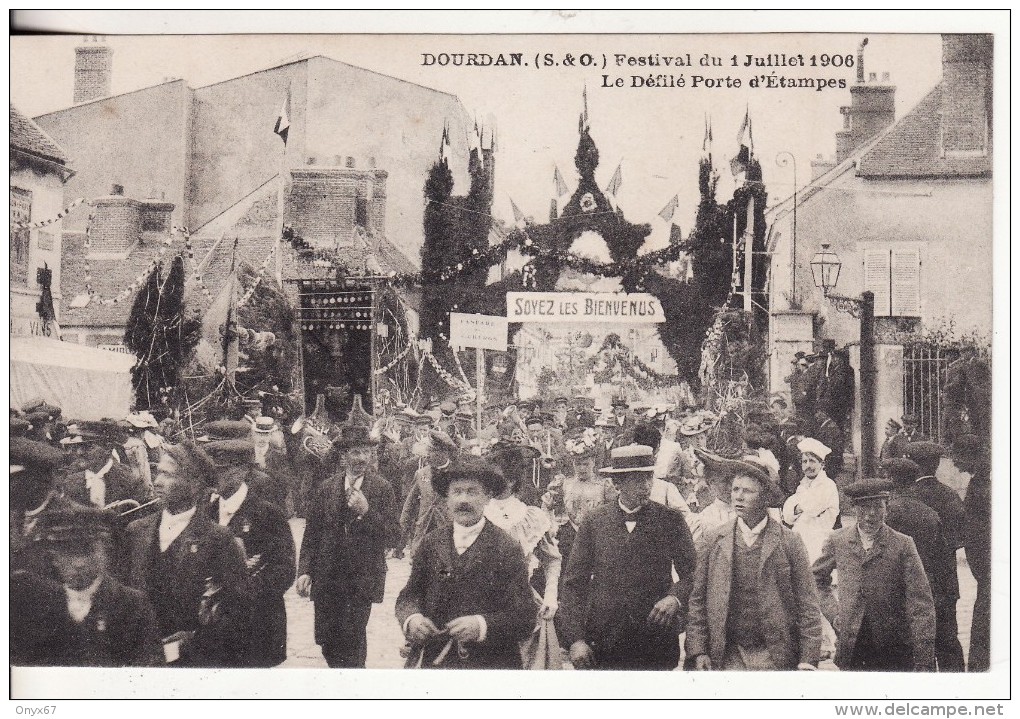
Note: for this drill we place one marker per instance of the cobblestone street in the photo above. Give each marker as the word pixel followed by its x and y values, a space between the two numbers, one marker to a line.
pixel 385 638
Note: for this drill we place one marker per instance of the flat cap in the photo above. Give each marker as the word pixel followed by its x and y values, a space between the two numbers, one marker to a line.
pixel 924 453
pixel 901 470
pixel 20 427
pixel 226 429
pixel 231 449
pixel 442 441
pixel 75 526
pixel 864 489
pixel 29 454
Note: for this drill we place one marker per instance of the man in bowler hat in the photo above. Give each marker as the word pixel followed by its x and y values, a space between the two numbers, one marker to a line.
pixel 351 524
pixel 620 608
pixel 467 603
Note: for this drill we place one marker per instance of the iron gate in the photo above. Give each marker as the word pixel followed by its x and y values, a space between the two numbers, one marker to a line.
pixel 924 381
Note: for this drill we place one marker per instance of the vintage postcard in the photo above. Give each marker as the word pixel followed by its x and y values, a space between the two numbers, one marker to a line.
pixel 606 344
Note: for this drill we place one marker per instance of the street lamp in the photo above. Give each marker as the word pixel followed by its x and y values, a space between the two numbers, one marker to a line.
pixel 825 267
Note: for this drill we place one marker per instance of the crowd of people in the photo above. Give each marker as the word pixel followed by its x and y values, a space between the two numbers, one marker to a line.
pixel 629 538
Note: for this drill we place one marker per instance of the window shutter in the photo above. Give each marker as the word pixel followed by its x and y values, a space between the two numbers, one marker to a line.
pixel 906 282
pixel 876 278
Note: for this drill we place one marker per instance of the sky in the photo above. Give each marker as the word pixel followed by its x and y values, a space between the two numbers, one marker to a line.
pixel 654 134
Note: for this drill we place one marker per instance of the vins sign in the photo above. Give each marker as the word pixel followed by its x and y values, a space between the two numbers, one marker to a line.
pixel 599 307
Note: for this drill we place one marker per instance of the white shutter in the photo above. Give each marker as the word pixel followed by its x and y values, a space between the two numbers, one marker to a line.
pixel 876 278
pixel 906 282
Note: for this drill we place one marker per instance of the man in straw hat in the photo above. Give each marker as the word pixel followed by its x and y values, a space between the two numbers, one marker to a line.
pixel 885 615
pixel 467 603
pixel 753 606
pixel 92 620
pixel 620 607
pixel 343 552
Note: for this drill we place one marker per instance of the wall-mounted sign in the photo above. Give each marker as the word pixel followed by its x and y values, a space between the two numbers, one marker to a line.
pixel 598 307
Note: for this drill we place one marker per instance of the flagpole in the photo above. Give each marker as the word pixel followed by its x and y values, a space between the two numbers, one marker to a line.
pixel 279 218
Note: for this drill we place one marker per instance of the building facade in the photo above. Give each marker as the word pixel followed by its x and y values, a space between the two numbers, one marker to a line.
pixel 907 208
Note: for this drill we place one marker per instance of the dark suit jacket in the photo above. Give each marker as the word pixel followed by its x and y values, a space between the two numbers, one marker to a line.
pixel 490 579
pixel 888 586
pixel 346 556
pixel 948 505
pixel 614 578
pixel 263 529
pixel 895 446
pixel 792 619
pixel 202 550
pixel 119 631
pixel 921 523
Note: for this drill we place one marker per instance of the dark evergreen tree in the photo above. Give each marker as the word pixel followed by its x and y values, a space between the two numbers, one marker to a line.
pixel 161 333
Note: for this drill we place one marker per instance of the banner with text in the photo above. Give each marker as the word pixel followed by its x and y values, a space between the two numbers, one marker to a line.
pixel 479 331
pixel 632 308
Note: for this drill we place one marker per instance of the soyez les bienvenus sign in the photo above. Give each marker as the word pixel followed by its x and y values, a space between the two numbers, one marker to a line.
pixel 633 308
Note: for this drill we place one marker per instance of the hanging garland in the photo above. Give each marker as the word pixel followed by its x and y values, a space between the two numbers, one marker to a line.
pixel 45 223
pixel 197 276
pixel 258 279
pixel 395 361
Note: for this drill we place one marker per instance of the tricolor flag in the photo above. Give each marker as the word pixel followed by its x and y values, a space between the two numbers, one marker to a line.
pixel 444 145
pixel 667 212
pixel 745 132
pixel 561 186
pixel 616 182
pixel 706 144
pixel 283 121
pixel 518 215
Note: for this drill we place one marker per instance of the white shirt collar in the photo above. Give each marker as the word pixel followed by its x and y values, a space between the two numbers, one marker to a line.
pixel 749 534
pixel 79 601
pixel 172 525
pixel 355 484
pixel 464 537
pixel 230 505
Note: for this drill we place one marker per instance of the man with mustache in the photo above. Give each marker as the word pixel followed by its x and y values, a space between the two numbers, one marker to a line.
pixel 620 608
pixel 342 565
pixel 886 615
pixel 467 603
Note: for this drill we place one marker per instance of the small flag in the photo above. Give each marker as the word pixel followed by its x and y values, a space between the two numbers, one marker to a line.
pixel 706 144
pixel 561 186
pixel 667 212
pixel 745 129
pixel 444 145
pixel 282 127
pixel 584 96
pixel 518 215
pixel 616 182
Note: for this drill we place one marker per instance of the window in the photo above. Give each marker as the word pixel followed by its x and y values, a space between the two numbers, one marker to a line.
pixel 893 274
pixel 361 212
pixel 21 211
pixel 653 355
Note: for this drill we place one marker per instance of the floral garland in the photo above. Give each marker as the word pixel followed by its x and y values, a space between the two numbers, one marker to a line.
pixel 396 360
pixel 258 279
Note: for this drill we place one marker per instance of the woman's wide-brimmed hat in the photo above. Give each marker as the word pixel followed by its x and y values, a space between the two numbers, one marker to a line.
pixel 719 467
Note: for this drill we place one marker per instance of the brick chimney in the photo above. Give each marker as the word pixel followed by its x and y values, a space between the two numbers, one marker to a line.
pixel 966 110
pixel 327 202
pixel 872 109
pixel 93 63
pixel 120 222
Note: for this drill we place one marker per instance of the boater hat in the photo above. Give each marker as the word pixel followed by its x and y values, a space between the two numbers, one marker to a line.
pixel 631 459
pixel 469 467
